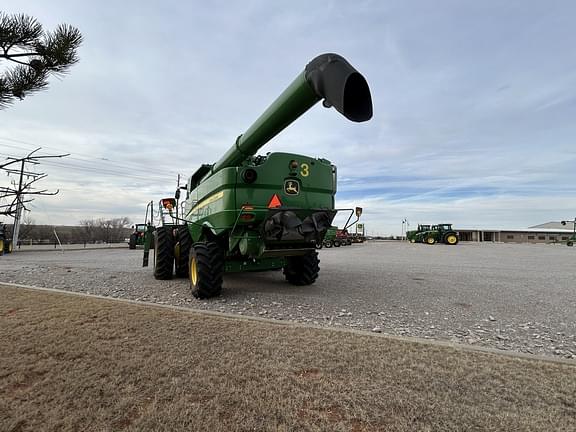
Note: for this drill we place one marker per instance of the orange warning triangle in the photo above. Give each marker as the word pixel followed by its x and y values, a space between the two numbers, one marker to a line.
pixel 275 202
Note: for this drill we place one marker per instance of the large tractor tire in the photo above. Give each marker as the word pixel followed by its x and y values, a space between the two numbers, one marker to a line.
pixel 451 239
pixel 302 270
pixel 206 268
pixel 163 253
pixel 182 251
pixel 430 240
pixel 132 241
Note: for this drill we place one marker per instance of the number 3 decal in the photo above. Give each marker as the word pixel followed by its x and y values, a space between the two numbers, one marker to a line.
pixel 305 170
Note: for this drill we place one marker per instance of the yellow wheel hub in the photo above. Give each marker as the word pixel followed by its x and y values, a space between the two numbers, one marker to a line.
pixel 451 239
pixel 430 240
pixel 193 271
pixel 1 245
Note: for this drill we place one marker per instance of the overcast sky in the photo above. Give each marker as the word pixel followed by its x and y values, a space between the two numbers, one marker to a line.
pixel 474 104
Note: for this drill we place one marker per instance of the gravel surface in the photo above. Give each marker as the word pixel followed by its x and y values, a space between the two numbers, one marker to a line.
pixel 516 297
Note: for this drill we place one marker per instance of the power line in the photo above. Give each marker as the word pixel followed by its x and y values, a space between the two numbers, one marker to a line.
pixel 90 158
pixel 24 190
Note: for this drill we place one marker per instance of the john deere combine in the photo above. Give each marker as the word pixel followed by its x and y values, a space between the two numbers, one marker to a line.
pixel 251 213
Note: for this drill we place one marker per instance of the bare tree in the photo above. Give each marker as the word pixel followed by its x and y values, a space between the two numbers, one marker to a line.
pixel 35 53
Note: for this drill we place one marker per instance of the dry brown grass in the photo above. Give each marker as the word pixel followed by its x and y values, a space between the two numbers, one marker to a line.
pixel 70 363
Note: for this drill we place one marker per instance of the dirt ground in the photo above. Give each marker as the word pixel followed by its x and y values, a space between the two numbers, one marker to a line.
pixel 71 363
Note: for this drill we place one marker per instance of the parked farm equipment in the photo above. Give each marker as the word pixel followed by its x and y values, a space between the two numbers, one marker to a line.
pixel 138 236
pixel 415 236
pixel 250 213
pixel 6 245
pixel 441 233
pixel 340 237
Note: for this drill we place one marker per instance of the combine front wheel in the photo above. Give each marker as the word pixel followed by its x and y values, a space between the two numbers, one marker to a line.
pixel 302 270
pixel 163 253
pixel 206 269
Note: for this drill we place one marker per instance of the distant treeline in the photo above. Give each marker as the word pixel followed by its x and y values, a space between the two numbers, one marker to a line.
pixel 88 231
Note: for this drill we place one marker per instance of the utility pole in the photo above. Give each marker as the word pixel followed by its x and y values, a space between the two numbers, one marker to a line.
pixel 17 205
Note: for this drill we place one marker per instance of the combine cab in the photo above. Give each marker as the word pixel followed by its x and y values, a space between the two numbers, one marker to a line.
pixel 248 212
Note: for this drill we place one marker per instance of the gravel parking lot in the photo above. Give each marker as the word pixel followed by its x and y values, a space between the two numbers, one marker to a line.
pixel 506 296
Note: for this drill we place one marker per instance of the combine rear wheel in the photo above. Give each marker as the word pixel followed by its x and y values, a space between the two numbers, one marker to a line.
pixel 451 239
pixel 206 268
pixel 430 240
pixel 163 253
pixel 182 251
pixel 302 270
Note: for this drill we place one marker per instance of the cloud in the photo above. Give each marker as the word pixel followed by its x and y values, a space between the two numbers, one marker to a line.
pixel 474 104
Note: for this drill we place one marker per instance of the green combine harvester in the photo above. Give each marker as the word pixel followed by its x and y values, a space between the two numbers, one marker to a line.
pixel 250 213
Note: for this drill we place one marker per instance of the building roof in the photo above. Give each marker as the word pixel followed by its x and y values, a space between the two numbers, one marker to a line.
pixel 555 225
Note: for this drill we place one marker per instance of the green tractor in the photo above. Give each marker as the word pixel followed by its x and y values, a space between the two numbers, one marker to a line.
pixel 137 236
pixel 415 236
pixel 251 213
pixel 6 245
pixel 441 233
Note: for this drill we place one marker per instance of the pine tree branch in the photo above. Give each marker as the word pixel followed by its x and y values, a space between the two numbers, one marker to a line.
pixel 48 53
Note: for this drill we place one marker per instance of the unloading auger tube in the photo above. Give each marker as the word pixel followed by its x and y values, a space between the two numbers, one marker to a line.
pixel 329 77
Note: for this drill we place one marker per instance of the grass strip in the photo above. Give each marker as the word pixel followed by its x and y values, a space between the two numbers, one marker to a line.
pixel 70 363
